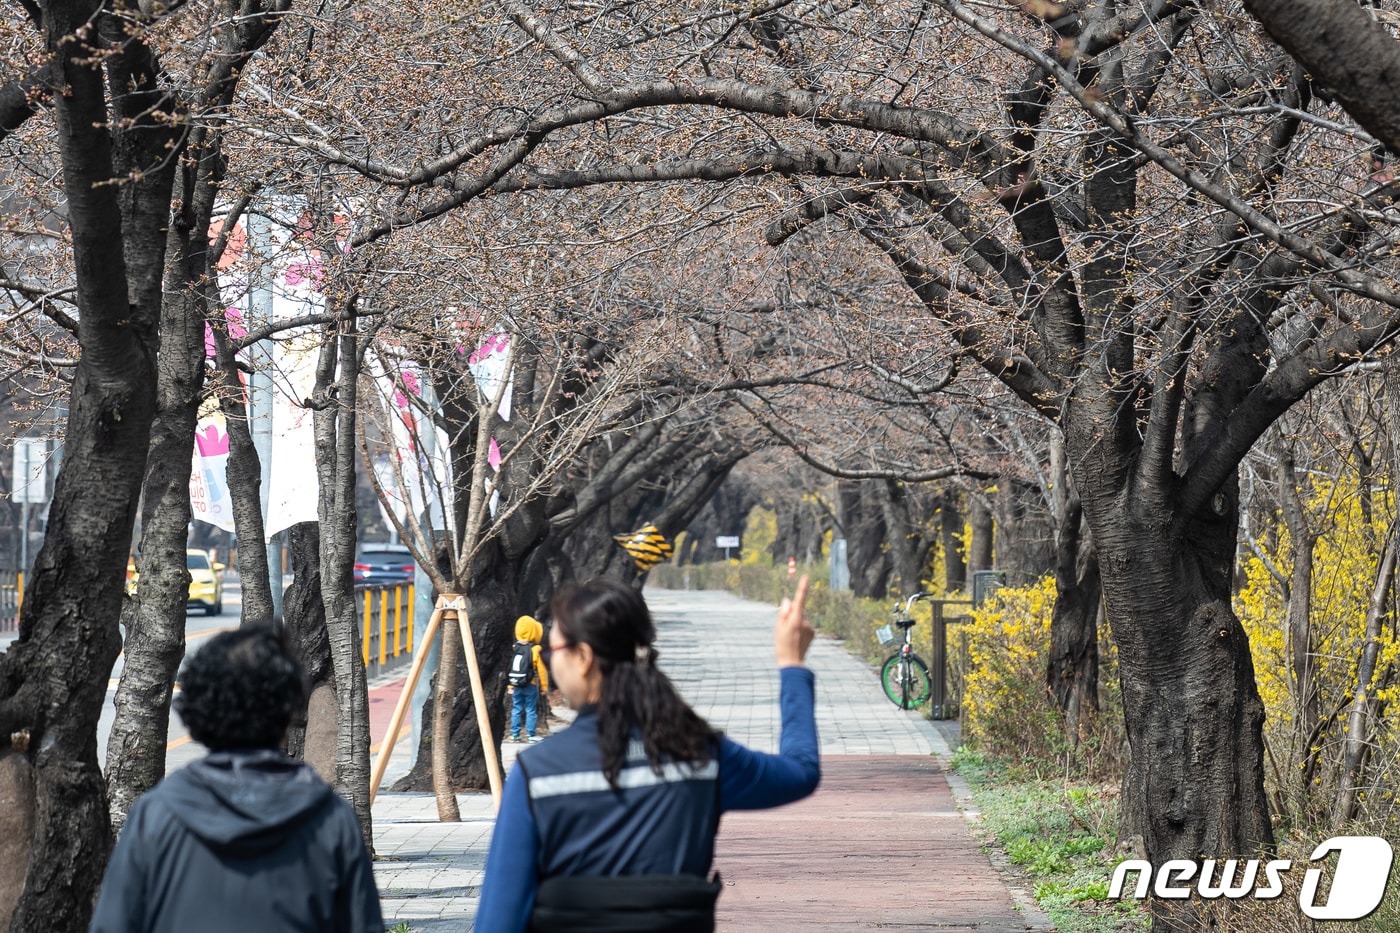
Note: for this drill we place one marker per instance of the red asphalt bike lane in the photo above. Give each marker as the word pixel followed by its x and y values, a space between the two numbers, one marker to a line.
pixel 382 700
pixel 880 845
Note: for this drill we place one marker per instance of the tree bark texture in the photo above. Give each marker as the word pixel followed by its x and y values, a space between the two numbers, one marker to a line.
pixel 1024 532
pixel 1349 53
pixel 244 474
pixel 1365 705
pixel 335 466
pixel 1195 781
pixel 950 529
pixel 979 550
pixel 1072 671
pixel 863 524
pixel 304 617
pixel 909 547
pixel 1299 609
pixel 155 642
pixel 492 610
pixel 53 679
pixel 799 533
pixel 441 713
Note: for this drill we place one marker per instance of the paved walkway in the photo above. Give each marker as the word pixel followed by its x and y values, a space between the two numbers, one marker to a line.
pixel 883 843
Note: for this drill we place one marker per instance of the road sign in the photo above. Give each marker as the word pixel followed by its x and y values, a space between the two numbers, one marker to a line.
pixel 727 541
pixel 31 470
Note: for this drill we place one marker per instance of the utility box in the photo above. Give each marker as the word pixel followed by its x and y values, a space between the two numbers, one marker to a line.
pixel 984 584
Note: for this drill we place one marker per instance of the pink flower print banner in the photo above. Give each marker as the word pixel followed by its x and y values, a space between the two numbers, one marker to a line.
pixel 209 496
pixel 490 364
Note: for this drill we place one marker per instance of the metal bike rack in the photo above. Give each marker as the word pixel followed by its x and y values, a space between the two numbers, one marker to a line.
pixel 942 709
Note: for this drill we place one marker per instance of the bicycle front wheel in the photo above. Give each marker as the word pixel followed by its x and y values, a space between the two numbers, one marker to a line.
pixel 906 681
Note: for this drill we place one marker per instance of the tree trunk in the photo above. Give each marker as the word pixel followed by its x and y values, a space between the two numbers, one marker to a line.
pixel 53 679
pixel 492 611
pixel 1348 50
pixel 865 538
pixel 1072 671
pixel 1195 781
pixel 155 642
pixel 304 616
pixel 335 465
pixel 244 473
pixel 445 695
pixel 1300 640
pixel 1365 705
pixel 979 551
pixel 908 547
pixel 1024 532
pixel 950 529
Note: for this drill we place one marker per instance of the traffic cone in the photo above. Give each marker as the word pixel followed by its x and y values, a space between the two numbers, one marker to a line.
pixel 792 566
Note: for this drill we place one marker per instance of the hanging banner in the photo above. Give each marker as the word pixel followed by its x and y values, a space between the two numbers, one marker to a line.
pixel 209 496
pixel 489 364
pixel 416 472
pixel 293 489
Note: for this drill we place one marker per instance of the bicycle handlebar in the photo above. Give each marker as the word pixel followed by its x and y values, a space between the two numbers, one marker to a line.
pixel 913 599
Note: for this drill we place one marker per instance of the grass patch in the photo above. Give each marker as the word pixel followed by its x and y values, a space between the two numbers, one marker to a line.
pixel 1062 835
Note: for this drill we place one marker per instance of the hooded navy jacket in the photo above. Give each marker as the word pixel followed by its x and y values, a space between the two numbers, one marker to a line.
pixel 247 840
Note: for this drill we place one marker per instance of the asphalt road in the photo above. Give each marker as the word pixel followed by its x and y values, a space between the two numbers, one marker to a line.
pixel 198 626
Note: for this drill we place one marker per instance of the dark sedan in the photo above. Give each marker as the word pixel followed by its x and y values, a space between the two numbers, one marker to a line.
pixel 383 565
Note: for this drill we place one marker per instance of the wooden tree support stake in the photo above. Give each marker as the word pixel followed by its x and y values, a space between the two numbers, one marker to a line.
pixel 483 721
pixel 453 606
pixel 386 748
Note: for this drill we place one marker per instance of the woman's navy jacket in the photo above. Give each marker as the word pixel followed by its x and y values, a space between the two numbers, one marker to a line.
pixel 559 817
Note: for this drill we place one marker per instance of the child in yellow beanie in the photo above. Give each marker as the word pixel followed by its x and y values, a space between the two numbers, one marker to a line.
pixel 528 678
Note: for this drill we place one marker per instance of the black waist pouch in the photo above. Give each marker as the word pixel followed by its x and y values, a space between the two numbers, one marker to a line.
pixel 639 904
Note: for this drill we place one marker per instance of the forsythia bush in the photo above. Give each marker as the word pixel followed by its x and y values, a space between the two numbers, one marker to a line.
pixel 760 531
pixel 1345 557
pixel 1006 710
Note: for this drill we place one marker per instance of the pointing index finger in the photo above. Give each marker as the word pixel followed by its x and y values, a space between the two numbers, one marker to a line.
pixel 800 597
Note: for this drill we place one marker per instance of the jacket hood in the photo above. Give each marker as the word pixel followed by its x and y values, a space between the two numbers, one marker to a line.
pixel 245 802
pixel 527 629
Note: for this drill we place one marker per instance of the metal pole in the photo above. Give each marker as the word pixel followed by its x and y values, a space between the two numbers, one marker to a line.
pixel 260 395
pixel 939 674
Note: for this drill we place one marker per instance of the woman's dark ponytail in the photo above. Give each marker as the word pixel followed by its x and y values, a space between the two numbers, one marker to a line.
pixel 614 621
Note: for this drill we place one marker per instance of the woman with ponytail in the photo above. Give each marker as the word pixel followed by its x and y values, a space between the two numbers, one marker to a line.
pixel 610 824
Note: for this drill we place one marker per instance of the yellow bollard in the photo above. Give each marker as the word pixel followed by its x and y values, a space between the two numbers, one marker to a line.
pixel 383 624
pixel 367 598
pixel 411 598
pixel 398 618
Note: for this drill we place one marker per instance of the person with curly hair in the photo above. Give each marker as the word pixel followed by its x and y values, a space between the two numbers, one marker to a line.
pixel 245 838
pixel 610 824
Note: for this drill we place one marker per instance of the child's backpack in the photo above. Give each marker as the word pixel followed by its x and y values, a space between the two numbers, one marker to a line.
pixel 522 664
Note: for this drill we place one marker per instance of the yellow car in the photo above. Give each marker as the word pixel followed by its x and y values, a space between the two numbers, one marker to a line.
pixel 206 582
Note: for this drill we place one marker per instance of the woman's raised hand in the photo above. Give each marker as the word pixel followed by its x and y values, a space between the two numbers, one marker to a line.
pixel 793 633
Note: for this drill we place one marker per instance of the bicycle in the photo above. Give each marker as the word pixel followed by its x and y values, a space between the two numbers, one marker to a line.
pixel 904 675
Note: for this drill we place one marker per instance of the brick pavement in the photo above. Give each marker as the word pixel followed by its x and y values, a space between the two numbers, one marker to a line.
pixel 884 843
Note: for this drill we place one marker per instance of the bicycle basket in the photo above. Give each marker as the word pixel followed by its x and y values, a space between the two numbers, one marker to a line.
pixel 886 635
